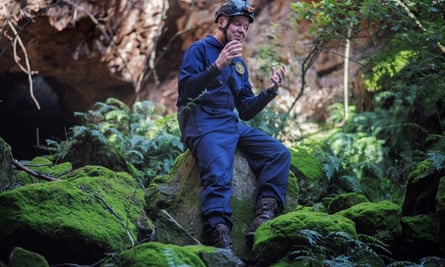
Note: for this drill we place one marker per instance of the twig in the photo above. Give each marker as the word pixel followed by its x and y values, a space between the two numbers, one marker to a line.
pixel 307 63
pixel 34 173
pixel 27 70
pixel 98 196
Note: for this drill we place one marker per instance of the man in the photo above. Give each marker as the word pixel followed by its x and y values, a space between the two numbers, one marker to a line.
pixel 213 81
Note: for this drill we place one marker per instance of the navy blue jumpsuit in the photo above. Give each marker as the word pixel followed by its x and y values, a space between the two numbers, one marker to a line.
pixel 211 130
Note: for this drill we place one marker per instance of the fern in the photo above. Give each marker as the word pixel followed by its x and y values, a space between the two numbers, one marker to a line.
pixel 140 134
pixel 332 249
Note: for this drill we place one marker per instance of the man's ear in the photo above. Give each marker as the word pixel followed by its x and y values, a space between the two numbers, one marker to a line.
pixel 222 22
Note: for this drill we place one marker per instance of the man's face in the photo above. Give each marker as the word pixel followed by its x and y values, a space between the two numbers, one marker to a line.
pixel 237 29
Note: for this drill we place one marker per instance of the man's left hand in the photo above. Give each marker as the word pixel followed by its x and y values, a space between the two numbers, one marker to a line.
pixel 277 77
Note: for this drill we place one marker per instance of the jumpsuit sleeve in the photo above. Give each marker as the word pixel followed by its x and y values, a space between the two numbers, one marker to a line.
pixel 249 105
pixel 195 74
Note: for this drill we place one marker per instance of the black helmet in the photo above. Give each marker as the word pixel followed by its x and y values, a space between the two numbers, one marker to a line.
pixel 232 8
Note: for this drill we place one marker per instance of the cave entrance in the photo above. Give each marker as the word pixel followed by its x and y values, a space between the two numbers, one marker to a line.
pixel 24 127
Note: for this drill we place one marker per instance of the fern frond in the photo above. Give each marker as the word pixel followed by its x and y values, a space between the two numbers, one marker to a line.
pixel 351 182
pixel 331 166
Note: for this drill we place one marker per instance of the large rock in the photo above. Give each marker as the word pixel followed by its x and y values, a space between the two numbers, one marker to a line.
pixel 421 189
pixel 180 197
pixel 94 49
pixel 312 183
pixel 276 237
pixel 381 220
pixel 440 209
pixel 91 211
pixel 6 173
pixel 155 254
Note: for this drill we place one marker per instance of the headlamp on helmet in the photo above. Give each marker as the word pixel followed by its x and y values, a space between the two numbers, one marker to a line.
pixel 231 8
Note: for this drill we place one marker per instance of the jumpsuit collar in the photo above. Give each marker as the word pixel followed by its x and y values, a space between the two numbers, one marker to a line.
pixel 213 41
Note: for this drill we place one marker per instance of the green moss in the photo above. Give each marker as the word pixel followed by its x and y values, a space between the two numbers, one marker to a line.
pixel 344 201
pixel 306 163
pixel 241 218
pixel 157 254
pixel 43 165
pixel 440 208
pixel 275 237
pixel 6 171
pixel 420 227
pixel 381 219
pixel 91 204
pixel 423 169
pixel 23 258
pixel 440 197
pixel 309 177
pixel 178 161
pixel 292 186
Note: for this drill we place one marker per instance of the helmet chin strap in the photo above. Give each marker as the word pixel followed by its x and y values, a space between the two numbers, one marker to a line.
pixel 224 30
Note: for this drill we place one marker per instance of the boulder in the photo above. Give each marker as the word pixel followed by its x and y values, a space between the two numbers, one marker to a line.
pixel 440 212
pixel 6 174
pixel 155 254
pixel 179 195
pixel 88 212
pixel 345 201
pixel 421 189
pixel 23 258
pixel 276 237
pixel 380 220
pixel 312 183
pixel 419 238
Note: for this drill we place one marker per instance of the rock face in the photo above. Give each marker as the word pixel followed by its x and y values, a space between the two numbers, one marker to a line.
pixel 88 51
pixel 95 49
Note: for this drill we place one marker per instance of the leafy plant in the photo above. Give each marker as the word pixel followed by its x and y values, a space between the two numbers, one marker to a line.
pixel 140 134
pixel 335 249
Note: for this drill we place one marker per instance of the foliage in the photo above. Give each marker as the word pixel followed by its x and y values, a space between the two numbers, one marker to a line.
pixel 267 121
pixel 353 158
pixel 141 135
pixel 374 151
pixel 335 249
pixel 331 20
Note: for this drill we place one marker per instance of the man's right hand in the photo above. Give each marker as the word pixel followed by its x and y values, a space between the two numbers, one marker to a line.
pixel 232 50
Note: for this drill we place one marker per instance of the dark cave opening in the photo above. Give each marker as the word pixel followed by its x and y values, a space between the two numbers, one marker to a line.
pixel 24 127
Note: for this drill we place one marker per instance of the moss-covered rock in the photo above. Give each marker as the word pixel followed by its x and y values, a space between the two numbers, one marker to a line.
pixel 312 183
pixel 43 165
pixel 274 238
pixel 440 212
pixel 157 254
pixel 7 180
pixel 180 197
pixel 419 238
pixel 344 201
pixel 86 148
pixel 77 219
pixel 421 188
pixel 23 258
pixel 381 219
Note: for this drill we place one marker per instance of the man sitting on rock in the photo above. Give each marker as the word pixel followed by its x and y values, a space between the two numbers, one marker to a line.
pixel 213 81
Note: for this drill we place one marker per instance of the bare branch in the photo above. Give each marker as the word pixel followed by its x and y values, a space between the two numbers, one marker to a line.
pixel 27 70
pixel 34 173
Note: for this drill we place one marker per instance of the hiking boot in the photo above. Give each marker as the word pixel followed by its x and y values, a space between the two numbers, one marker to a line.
pixel 266 209
pixel 220 238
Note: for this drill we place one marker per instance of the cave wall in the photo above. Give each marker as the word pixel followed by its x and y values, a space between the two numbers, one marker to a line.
pixel 131 50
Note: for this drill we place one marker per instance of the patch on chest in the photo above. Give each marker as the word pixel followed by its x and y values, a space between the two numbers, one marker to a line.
pixel 240 68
